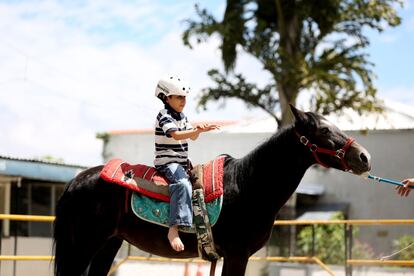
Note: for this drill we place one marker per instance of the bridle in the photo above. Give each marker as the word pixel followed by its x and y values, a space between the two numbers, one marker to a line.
pixel 340 153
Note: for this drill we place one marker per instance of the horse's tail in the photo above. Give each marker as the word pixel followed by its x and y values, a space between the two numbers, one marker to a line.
pixel 63 231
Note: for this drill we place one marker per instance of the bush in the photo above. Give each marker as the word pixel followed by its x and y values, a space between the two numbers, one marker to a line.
pixel 330 243
pixel 403 242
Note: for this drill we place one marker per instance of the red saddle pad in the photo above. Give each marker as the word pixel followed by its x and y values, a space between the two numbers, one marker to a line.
pixel 146 180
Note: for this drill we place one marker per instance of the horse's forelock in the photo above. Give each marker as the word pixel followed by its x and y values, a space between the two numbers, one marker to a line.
pixel 312 122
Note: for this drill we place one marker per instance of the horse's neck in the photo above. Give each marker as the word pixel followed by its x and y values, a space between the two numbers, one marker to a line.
pixel 276 166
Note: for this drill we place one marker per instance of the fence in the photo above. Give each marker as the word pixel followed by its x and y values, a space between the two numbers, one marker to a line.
pixel 348 237
pixel 347 224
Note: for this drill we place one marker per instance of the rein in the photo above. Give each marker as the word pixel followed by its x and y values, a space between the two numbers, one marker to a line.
pixel 340 153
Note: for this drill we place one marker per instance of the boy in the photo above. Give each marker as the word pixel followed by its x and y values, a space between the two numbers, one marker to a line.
pixel 172 130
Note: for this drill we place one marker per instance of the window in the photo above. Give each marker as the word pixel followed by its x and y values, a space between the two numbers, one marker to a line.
pixel 34 198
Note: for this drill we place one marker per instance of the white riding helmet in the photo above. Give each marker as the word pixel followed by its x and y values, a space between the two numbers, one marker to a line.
pixel 171 85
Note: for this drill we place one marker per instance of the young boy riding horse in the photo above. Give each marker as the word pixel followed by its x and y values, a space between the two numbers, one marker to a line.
pixel 172 130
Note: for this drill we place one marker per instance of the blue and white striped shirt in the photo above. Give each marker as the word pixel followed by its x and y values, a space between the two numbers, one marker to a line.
pixel 167 149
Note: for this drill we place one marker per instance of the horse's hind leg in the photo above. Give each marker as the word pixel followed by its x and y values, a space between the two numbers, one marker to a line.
pixel 102 261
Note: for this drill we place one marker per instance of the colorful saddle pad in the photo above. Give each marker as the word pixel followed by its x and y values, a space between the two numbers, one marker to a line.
pixel 157 211
pixel 150 200
pixel 147 181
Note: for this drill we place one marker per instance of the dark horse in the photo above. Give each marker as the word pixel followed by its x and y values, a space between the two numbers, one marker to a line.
pixel 92 221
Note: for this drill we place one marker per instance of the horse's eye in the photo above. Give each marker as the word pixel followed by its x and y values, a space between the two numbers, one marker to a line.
pixel 324 130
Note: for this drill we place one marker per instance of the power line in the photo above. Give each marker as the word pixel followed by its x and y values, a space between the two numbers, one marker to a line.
pixel 58 71
pixel 53 70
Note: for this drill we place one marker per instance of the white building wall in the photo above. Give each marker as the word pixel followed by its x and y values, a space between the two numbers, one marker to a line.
pixel 139 148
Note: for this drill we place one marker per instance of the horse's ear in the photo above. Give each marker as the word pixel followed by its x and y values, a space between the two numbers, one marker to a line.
pixel 300 116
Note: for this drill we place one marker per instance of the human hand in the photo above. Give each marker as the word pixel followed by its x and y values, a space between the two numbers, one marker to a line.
pixel 207 127
pixel 405 190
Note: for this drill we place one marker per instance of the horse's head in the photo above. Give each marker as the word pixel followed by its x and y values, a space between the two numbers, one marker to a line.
pixel 330 146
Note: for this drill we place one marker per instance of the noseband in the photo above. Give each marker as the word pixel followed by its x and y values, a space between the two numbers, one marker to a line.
pixel 340 154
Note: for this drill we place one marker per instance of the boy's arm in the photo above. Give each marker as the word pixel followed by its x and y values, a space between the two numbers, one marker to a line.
pixel 185 134
pixel 195 136
pixel 192 133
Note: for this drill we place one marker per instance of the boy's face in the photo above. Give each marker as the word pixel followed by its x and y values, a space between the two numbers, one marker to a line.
pixel 176 102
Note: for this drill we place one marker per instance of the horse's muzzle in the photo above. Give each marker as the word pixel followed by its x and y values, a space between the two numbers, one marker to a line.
pixel 359 159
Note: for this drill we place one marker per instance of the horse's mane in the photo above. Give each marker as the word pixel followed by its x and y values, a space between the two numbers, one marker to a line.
pixel 273 142
pixel 251 167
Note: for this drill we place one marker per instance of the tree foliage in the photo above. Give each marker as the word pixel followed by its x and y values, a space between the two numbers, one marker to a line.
pixel 306 46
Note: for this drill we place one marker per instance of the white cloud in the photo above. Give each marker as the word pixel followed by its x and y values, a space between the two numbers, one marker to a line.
pixel 388 38
pixel 403 94
pixel 409 25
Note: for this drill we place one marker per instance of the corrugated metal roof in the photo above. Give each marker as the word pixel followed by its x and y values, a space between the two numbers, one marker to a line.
pixel 324 211
pixel 38 170
pixel 40 161
pixel 395 116
pixel 317 215
pixel 151 130
pixel 310 189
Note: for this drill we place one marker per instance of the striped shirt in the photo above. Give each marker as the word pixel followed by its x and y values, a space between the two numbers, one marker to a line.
pixel 167 149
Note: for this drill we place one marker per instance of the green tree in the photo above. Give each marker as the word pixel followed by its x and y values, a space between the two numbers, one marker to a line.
pixel 305 45
pixel 330 243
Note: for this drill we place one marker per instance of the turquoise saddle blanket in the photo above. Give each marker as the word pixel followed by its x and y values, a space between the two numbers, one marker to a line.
pixel 157 211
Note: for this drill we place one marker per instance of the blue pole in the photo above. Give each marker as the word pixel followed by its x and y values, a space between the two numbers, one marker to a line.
pixel 385 180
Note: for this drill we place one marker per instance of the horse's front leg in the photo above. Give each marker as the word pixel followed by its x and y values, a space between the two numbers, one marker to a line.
pixel 235 264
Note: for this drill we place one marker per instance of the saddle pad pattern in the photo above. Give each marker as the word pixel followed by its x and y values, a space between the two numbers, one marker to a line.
pixel 213 172
pixel 139 178
pixel 147 181
pixel 156 211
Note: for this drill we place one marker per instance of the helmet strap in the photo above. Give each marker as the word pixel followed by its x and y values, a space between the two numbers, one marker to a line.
pixel 176 115
pixel 163 98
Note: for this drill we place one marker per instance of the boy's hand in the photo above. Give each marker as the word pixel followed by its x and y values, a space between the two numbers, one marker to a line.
pixel 207 127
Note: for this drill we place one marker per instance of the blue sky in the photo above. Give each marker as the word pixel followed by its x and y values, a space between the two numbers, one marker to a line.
pixel 392 53
pixel 71 69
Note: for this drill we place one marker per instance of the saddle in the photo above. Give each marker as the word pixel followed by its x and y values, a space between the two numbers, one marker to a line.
pixel 147 181
pixel 150 197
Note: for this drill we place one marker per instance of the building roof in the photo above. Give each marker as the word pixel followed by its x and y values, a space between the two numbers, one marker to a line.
pixel 310 189
pixel 38 170
pixel 395 116
pixel 151 130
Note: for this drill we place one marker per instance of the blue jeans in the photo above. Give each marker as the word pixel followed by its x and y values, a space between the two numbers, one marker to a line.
pixel 180 189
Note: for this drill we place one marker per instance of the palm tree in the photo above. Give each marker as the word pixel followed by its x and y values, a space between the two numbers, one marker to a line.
pixel 307 46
